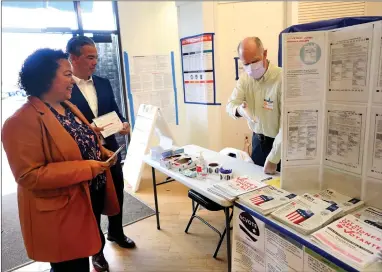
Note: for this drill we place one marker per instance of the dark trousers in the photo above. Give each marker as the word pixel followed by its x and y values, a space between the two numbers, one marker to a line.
pixel 261 146
pixel 98 198
pixel 115 222
pixel 76 265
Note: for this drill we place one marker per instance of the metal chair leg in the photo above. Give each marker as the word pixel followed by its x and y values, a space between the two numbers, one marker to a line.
pixel 222 237
pixel 192 216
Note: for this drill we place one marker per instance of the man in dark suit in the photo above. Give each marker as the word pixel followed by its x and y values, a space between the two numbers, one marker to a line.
pixel 94 97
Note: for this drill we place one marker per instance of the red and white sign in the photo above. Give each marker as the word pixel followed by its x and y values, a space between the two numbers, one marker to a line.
pixel 356 241
pixel 197 64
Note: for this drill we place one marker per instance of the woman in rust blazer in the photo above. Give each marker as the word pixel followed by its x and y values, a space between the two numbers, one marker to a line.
pixel 56 159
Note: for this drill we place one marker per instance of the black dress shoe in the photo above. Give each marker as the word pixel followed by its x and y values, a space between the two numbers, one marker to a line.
pixel 99 262
pixel 125 242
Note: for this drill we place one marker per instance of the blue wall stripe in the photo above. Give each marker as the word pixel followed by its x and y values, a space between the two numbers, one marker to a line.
pixel 129 94
pixel 174 85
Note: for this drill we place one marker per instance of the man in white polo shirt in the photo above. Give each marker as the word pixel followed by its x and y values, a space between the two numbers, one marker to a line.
pixel 257 98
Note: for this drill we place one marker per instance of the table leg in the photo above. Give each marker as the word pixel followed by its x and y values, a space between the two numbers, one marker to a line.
pixel 155 197
pixel 228 228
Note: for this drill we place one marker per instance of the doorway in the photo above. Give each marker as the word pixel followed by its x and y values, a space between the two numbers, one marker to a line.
pixel 28 26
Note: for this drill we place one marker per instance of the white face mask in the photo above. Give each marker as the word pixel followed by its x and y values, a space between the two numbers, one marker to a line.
pixel 255 70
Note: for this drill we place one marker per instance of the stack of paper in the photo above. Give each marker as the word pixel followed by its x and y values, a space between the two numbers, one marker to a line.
pixel 346 203
pixel 307 213
pixel 267 199
pixel 231 189
pixel 371 216
pixel 349 237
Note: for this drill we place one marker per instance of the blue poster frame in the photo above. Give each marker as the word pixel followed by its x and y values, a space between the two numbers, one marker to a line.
pixel 213 69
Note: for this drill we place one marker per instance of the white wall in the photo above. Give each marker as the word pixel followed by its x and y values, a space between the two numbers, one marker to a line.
pixel 190 22
pixel 236 21
pixel 374 8
pixel 151 28
pixel 155 28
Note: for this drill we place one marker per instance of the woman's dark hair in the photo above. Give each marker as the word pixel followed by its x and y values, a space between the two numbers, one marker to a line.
pixel 39 70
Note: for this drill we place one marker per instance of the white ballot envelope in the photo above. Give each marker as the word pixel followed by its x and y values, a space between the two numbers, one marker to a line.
pixel 110 123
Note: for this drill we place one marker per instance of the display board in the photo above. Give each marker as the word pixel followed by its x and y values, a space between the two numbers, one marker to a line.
pixel 148 124
pixel 332 106
pixel 198 69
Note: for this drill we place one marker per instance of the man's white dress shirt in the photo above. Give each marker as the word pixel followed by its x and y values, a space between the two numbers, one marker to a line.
pixel 89 92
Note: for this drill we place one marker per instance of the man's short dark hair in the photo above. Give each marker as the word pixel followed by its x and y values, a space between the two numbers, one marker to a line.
pixel 76 43
pixel 38 71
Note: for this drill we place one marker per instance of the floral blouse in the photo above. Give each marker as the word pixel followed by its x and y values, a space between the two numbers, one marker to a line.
pixel 86 140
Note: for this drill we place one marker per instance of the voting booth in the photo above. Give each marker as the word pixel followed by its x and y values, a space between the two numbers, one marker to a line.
pixel 323 213
pixel 332 143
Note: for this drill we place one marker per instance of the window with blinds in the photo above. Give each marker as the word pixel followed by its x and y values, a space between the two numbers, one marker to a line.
pixel 311 11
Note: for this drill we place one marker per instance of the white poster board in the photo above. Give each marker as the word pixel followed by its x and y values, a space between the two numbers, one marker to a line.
pixel 248 247
pixel 149 122
pixel 376 77
pixel 282 252
pixel 332 95
pixel 304 84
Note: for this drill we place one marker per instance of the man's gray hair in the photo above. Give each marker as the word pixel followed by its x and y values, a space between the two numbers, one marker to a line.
pixel 76 43
pixel 256 40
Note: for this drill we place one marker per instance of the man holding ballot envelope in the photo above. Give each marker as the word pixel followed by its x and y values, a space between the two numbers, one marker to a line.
pixel 93 95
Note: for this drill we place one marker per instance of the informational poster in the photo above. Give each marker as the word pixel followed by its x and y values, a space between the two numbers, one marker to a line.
pixel 377 64
pixel 198 69
pixel 282 253
pixel 248 252
pixel 304 62
pixel 349 63
pixel 352 240
pixel 345 129
pixel 303 141
pixel 151 83
pixel 374 160
pixel 379 82
pixel 314 262
pixel 272 265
